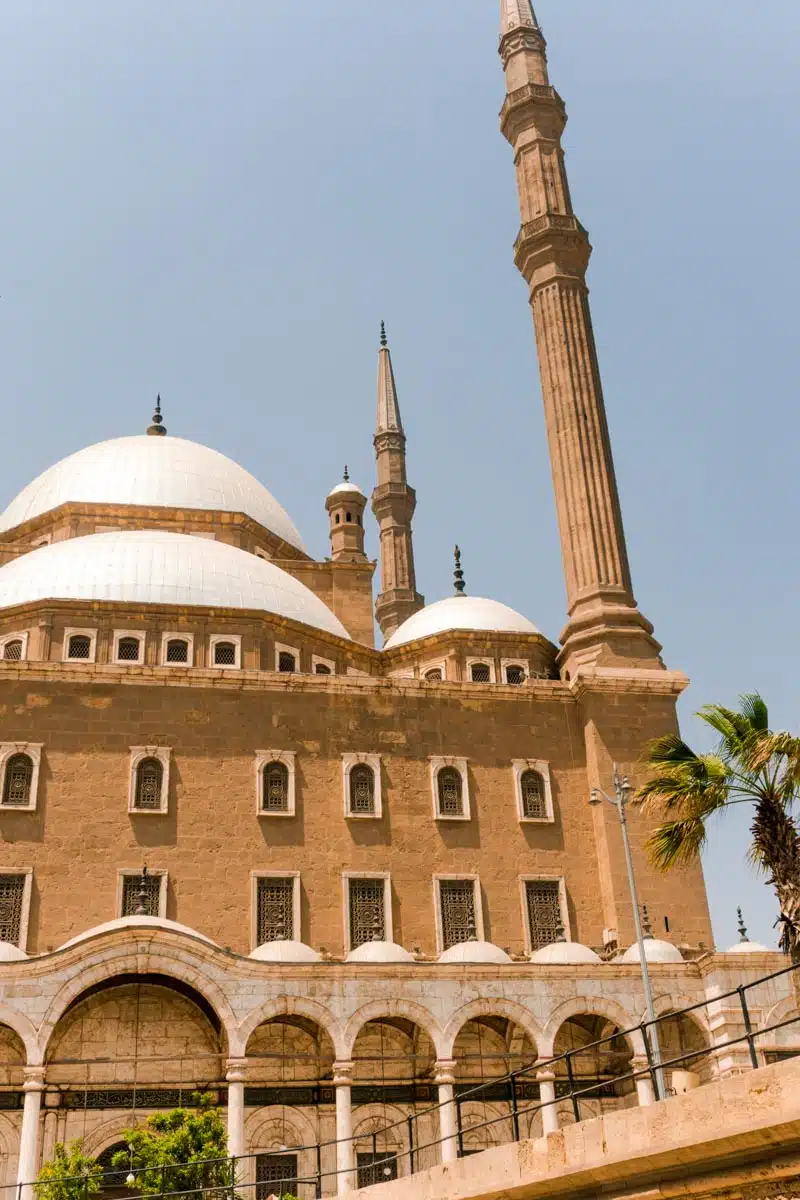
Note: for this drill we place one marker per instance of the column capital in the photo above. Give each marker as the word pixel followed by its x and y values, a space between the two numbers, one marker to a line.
pixel 444 1071
pixel 545 1075
pixel 235 1070
pixel 343 1074
pixel 33 1079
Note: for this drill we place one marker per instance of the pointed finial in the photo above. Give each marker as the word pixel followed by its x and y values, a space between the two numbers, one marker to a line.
pixel 346 474
pixel 158 428
pixel 384 341
pixel 741 927
pixel 648 931
pixel 141 906
pixel 458 573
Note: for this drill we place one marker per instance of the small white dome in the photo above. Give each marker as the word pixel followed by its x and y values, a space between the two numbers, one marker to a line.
pixel 474 952
pixel 745 946
pixel 11 953
pixel 153 567
pixel 345 487
pixel 460 612
pixel 655 951
pixel 284 950
pixel 565 952
pixel 137 923
pixel 379 952
pixel 157 472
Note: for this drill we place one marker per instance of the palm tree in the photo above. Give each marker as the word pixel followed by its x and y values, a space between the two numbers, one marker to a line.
pixel 752 765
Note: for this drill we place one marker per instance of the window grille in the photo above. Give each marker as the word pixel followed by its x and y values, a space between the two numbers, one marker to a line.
pixel 322 669
pixel 12 894
pixel 367 918
pixel 177 651
pixel 362 789
pixel 434 676
pixel 480 673
pixel 545 919
pixel 450 788
pixel 275 910
pixel 12 651
pixel 531 786
pixel 515 675
pixel 286 662
pixel 376 1168
pixel 18 779
pixel 131 889
pixel 128 649
pixel 79 646
pixel 277 1170
pixel 275 797
pixel 149 780
pixel 457 898
pixel 224 654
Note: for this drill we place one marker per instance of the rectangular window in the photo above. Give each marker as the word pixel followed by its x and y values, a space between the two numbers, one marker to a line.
pixel 12 898
pixel 141 893
pixel 367 911
pixel 274 909
pixel 545 918
pixel 376 1168
pixel 457 902
pixel 276 1175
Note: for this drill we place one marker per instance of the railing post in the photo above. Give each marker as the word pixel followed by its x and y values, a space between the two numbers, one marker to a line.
pixel 748 1028
pixel 576 1108
pixel 514 1107
pixel 410 1145
pixel 460 1129
pixel 319 1172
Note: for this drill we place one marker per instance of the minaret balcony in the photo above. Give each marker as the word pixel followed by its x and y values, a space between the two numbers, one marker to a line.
pixel 553 244
pixel 536 106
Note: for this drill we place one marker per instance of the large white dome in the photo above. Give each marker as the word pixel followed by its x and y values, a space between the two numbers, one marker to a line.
pixel 158 472
pixel 152 567
pixel 460 612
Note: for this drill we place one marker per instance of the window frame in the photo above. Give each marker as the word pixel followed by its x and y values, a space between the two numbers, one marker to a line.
pixel 483 660
pixel 255 875
pixel 373 761
pixel 20 636
pixel 480 932
pixel 25 911
pixel 388 923
pixel 288 759
pixel 316 660
pixel 515 662
pixel 519 766
pixel 34 753
pixel 280 649
pixel 71 632
pixel 213 640
pixel 138 754
pixel 176 635
pixel 439 664
pixel 437 764
pixel 562 900
pixel 139 636
pixel 160 873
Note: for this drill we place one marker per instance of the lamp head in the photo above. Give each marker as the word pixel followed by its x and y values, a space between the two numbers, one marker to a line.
pixel 594 797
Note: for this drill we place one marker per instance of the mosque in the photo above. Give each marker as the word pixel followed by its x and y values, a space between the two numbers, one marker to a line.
pixel 246 850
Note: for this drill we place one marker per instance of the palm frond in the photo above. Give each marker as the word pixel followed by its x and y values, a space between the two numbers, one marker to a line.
pixel 676 843
pixel 754 709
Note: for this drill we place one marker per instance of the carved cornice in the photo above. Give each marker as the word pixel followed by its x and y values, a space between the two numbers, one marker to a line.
pixel 517 41
pixel 535 105
pixel 555 241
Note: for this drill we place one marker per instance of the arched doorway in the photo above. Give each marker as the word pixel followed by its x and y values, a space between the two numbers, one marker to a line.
pixel 599 1060
pixel 491 1108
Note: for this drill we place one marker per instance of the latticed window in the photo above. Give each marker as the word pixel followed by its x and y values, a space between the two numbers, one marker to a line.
pixel 149 780
pixel 367 917
pixel 224 654
pixel 322 669
pixel 450 790
pixel 376 1168
pixel 515 674
pixel 136 891
pixel 287 662
pixel 79 646
pixel 128 649
pixel 276 1175
pixel 531 786
pixel 12 895
pixel 18 780
pixel 480 673
pixel 275 910
pixel 177 650
pixel 457 899
pixel 12 651
pixel 434 675
pixel 545 919
pixel 362 789
pixel 275 796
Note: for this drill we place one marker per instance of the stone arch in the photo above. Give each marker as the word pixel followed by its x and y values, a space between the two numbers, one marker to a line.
pixel 509 1009
pixel 375 1118
pixel 392 1007
pixel 668 1005
pixel 25 1030
pixel 485 1124
pixel 98 1139
pixel 781 1012
pixel 268 1125
pixel 595 1006
pixel 286 1006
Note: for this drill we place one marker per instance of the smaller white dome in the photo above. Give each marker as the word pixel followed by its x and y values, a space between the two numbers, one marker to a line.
pixel 745 946
pixel 285 950
pixel 655 951
pixel 565 952
pixel 137 923
pixel 474 952
pixel 460 612
pixel 11 953
pixel 345 487
pixel 379 952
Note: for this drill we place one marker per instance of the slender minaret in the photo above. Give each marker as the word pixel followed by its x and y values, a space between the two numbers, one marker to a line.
pixel 552 251
pixel 393 503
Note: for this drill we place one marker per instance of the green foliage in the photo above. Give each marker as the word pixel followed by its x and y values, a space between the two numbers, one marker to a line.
pixel 181 1150
pixel 69 1174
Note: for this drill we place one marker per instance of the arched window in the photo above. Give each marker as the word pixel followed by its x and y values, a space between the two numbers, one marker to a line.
pixel 224 654
pixel 128 649
pixel 149 779
pixel 177 650
pixel 12 651
pixel 322 669
pixel 450 789
pixel 348 517
pixel 434 675
pixel 18 779
pixel 275 795
pixel 362 789
pixel 480 673
pixel 338 518
pixel 531 787
pixel 79 646
pixel 515 674
pixel 287 662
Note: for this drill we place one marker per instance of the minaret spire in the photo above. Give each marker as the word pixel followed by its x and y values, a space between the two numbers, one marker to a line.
pixel 552 252
pixel 393 503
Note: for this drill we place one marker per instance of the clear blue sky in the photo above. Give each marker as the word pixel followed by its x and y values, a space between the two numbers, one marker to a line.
pixel 220 201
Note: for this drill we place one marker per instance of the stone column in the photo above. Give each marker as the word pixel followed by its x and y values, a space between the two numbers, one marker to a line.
pixel 235 1072
pixel 444 1078
pixel 29 1138
pixel 345 1152
pixel 644 1084
pixel 547 1096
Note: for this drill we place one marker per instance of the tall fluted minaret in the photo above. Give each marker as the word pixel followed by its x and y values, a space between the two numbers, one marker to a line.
pixel 552 251
pixel 393 503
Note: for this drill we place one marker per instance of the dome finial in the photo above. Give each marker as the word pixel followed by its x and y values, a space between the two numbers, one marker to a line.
pixel 561 933
pixel 158 428
pixel 648 931
pixel 742 927
pixel 458 573
pixel 346 476
pixel 141 896
pixel 384 341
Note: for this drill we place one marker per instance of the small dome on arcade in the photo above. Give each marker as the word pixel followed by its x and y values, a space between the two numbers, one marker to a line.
pixel 655 951
pixel 474 952
pixel 565 953
pixel 137 922
pixel 284 950
pixel 744 945
pixel 11 953
pixel 379 952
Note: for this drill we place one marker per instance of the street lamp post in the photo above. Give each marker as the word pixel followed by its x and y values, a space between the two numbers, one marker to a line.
pixel 620 800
